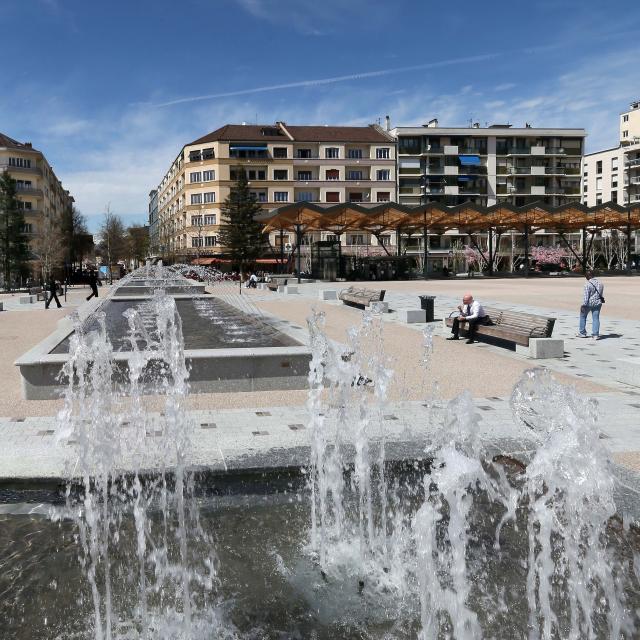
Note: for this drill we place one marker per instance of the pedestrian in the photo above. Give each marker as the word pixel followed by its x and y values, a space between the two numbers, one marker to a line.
pixel 592 301
pixel 52 288
pixel 93 283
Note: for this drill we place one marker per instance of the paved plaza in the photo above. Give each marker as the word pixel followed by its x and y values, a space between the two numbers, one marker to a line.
pixel 242 430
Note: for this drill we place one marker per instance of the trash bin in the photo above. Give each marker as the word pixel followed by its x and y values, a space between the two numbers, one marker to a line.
pixel 426 303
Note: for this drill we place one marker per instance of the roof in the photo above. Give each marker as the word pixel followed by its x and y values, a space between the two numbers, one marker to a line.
pixel 438 218
pixel 6 141
pixel 294 133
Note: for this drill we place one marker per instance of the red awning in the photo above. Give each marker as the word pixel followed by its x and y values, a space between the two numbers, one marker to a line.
pixel 209 261
pixel 270 261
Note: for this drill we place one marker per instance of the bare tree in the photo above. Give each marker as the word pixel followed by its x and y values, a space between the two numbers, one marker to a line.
pixel 49 248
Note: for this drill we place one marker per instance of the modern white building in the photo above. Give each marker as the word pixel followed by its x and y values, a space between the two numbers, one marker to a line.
pixel 488 165
pixel 613 175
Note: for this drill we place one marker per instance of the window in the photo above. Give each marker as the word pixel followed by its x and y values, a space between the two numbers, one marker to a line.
pixel 303 153
pixel 279 152
pixel 196 198
pixel 585 188
pixel 23 184
pixel 614 164
pixel 195 156
pixel 260 196
pixel 355 197
pixel 20 162
pixel 210 218
pixel 599 166
pixel 332 152
pixel 280 174
pixel 614 184
pixel 304 175
pixel 384 241
pixel 383 196
pixel 354 175
pixel 196 241
pixel 332 196
pixel 382 153
pixel 332 174
pixel 209 196
pixel 383 174
pixel 281 196
pixel 356 239
pixel 195 176
pixel 354 153
pixel 625 118
pixel 599 184
pixel 625 134
pixel 305 196
pixel 614 197
pixel 599 200
pixel 208 176
pixel 210 241
pixel 207 154
pixel 585 174
pixel 196 221
pixel 27 228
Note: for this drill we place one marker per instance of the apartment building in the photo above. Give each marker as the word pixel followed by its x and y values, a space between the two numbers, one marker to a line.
pixel 283 163
pixel 613 175
pixel 499 163
pixel 40 192
pixel 154 227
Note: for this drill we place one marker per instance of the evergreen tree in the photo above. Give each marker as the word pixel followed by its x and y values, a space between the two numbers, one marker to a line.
pixel 14 246
pixel 241 234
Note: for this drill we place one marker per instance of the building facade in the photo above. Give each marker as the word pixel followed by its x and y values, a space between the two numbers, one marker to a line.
pixel 40 193
pixel 154 227
pixel 630 124
pixel 283 163
pixel 451 165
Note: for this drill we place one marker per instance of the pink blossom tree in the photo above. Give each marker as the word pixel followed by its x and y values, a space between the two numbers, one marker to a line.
pixel 472 256
pixel 549 255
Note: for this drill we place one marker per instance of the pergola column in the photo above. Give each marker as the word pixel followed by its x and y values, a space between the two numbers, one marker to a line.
pixel 299 234
pixel 628 248
pixel 281 269
pixel 584 250
pixel 490 252
pixel 526 250
pixel 425 248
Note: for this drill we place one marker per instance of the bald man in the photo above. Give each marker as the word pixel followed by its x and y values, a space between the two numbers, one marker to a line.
pixel 473 314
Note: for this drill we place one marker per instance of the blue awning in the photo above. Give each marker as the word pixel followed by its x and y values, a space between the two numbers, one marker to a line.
pixel 475 160
pixel 464 179
pixel 234 147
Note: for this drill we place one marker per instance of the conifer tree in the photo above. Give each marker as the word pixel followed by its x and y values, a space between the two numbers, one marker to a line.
pixel 241 234
pixel 14 246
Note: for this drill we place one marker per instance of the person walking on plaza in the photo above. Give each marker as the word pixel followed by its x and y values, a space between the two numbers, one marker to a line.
pixel 52 288
pixel 93 283
pixel 473 314
pixel 592 301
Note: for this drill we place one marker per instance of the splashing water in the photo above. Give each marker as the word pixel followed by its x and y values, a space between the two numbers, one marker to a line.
pixel 131 483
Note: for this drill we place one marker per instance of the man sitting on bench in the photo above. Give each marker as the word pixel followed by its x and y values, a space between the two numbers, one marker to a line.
pixel 473 314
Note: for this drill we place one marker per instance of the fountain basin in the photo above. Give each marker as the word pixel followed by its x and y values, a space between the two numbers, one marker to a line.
pixel 243 353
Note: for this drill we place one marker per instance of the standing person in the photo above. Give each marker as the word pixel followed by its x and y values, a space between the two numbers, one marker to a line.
pixel 592 300
pixel 473 314
pixel 93 283
pixel 52 288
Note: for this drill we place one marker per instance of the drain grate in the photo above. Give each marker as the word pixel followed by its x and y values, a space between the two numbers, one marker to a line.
pixel 263 414
pixel 296 427
pixel 47 432
pixel 208 425
pixel 260 433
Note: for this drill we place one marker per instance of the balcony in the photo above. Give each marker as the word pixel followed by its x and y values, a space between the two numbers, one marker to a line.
pixel 518 151
pixel 632 163
pixel 5 166
pixel 558 151
pixel 451 150
pixel 29 191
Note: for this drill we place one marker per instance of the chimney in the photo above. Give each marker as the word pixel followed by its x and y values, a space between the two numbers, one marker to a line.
pixel 432 123
pixel 387 120
pixel 28 145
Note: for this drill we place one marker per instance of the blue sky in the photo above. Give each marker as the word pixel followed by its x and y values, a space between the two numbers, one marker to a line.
pixel 110 91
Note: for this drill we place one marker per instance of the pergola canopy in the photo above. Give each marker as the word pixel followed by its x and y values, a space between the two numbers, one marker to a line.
pixel 304 217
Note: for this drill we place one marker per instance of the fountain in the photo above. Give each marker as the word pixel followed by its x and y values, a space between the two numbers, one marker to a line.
pixel 379 537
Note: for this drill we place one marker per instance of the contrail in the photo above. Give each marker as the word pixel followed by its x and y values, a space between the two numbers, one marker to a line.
pixel 322 81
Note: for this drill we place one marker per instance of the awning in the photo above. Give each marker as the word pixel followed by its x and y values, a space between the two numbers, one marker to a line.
pixel 474 160
pixel 208 261
pixel 270 261
pixel 237 147
pixel 464 179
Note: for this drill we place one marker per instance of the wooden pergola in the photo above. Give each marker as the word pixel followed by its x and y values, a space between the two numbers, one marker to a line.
pixel 467 218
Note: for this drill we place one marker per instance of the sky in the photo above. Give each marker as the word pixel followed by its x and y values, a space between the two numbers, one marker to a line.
pixel 110 91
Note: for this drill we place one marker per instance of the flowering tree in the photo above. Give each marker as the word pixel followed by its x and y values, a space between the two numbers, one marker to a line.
pixel 472 256
pixel 549 255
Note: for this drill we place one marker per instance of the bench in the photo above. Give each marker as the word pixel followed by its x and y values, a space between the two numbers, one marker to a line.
pixel 362 298
pixel 511 326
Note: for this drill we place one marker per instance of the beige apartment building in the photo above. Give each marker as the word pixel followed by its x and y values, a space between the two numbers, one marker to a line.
pixel 40 192
pixel 284 164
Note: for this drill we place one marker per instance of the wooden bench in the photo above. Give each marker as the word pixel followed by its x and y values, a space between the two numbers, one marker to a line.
pixel 362 298
pixel 276 282
pixel 511 326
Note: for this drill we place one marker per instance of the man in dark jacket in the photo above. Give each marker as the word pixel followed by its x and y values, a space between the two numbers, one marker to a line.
pixel 52 288
pixel 93 283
